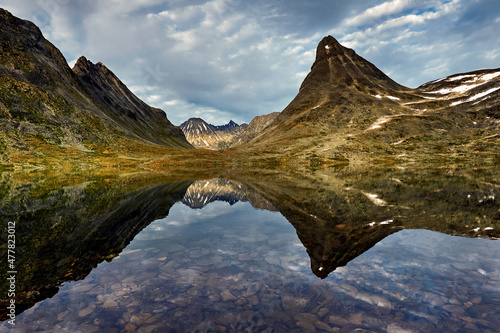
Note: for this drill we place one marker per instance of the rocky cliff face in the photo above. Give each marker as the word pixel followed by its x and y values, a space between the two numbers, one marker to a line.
pixel 204 135
pixel 45 103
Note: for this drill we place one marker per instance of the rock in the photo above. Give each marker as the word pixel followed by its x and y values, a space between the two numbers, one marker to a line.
pixel 470 327
pixel 110 304
pixel 116 286
pixel 151 328
pixel 227 296
pixel 130 327
pixel 476 300
pixel 322 326
pixel 136 320
pixel 309 317
pixel 62 315
pixel 322 312
pixel 356 318
pixel 307 326
pixel 254 300
pixel 252 289
pixel 481 311
pixel 88 310
pixel 337 320
pixel 240 301
pixel 394 328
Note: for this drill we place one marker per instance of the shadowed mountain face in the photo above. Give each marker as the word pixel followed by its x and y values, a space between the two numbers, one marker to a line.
pixel 44 103
pixel 132 115
pixel 254 128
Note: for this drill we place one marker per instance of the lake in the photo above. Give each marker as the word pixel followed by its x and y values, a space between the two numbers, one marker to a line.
pixel 327 251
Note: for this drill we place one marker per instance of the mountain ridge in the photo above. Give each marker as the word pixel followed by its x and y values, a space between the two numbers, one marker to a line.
pixel 46 107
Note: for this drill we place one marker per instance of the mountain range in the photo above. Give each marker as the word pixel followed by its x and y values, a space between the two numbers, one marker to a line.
pixel 345 110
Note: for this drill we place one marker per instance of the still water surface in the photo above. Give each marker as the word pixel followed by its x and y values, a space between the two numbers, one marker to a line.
pixel 229 267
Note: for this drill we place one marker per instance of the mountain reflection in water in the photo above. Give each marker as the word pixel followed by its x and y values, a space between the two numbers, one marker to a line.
pixel 225 265
pixel 328 246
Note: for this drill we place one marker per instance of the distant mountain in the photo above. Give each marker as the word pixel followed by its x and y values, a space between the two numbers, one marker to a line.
pixel 204 135
pixel 255 127
pixel 347 106
pixel 44 103
pixel 230 126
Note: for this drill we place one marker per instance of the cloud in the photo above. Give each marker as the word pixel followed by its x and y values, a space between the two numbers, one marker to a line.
pixel 384 9
pixel 236 59
pixel 426 40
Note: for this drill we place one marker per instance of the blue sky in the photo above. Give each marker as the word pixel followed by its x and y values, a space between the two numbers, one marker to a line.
pixel 237 59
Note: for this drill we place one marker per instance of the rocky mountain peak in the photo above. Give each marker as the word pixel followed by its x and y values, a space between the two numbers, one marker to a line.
pixel 22 45
pixel 330 47
pixel 85 66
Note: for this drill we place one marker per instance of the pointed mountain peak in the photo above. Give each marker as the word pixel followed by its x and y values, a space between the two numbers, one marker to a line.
pixel 330 47
pixel 341 67
pixel 82 62
pixel 85 65
pixel 232 124
pixel 7 18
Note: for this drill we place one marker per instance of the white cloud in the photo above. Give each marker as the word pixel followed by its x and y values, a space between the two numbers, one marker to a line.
pixel 376 12
pixel 493 54
pixel 401 21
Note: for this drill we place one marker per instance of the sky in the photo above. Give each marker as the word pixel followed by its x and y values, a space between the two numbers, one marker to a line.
pixel 227 60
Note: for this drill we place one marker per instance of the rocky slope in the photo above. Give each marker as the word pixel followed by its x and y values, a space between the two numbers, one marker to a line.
pixel 255 127
pixel 132 116
pixel 204 135
pixel 44 103
pixel 346 107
